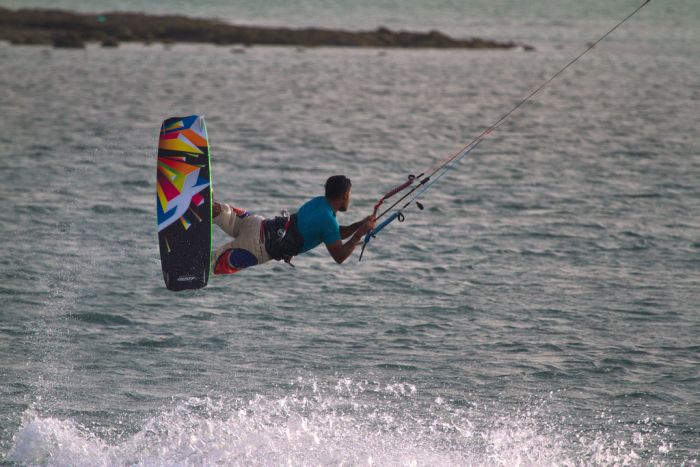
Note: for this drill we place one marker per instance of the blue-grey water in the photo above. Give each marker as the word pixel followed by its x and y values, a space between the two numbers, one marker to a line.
pixel 542 310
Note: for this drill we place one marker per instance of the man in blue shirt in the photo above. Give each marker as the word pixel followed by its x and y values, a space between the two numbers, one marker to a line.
pixel 258 240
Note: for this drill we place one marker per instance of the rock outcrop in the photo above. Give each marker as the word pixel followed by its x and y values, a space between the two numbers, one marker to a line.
pixel 69 29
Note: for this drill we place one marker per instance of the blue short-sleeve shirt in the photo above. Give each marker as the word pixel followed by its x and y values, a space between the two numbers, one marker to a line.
pixel 317 223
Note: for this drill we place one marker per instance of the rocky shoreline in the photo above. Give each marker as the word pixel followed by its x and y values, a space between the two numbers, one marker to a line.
pixel 74 30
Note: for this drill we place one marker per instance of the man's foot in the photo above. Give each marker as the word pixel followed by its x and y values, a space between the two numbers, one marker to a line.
pixel 215 210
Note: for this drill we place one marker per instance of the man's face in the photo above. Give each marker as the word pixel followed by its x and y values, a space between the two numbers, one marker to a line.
pixel 346 202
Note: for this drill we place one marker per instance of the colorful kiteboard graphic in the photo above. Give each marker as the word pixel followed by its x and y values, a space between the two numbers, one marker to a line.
pixel 183 202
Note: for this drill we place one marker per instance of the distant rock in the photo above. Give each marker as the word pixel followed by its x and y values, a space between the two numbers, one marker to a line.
pixel 68 40
pixel 69 29
pixel 110 42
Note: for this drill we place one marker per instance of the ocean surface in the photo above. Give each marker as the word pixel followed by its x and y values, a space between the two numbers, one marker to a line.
pixel 544 309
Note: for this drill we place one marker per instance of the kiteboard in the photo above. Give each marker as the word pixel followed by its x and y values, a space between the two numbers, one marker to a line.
pixel 183 202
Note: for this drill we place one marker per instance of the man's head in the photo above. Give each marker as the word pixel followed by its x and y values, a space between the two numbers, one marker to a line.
pixel 338 191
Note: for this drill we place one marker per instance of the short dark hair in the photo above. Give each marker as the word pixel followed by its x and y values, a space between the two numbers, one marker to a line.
pixel 337 186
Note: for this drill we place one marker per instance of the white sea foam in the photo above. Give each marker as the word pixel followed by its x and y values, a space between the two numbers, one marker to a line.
pixel 351 424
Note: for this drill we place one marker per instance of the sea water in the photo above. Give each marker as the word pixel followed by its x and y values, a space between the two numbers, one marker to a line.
pixel 542 309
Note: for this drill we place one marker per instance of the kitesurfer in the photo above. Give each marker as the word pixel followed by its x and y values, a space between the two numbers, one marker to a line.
pixel 258 240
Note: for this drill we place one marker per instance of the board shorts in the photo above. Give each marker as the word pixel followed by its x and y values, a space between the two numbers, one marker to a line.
pixel 248 246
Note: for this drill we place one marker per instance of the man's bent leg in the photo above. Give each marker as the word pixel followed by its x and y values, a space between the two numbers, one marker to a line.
pixel 229 219
pixel 248 249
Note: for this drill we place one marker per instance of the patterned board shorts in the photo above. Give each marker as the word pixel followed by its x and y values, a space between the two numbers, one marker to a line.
pixel 248 246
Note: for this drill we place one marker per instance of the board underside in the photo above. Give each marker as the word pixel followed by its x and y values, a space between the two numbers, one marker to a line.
pixel 183 200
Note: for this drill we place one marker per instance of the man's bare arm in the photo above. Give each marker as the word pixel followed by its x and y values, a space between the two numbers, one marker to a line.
pixel 347 230
pixel 341 251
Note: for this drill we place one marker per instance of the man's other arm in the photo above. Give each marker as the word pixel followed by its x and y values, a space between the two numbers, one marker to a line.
pixel 347 230
pixel 341 251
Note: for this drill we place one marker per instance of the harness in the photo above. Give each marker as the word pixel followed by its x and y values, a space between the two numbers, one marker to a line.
pixel 282 237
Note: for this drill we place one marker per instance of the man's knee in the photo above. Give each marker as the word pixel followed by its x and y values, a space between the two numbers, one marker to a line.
pixel 233 260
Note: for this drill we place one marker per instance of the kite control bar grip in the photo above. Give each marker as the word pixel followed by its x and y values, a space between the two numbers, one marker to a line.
pixel 397 215
pixel 373 233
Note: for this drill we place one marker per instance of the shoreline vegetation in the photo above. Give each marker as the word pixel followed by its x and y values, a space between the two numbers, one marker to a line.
pixel 65 29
